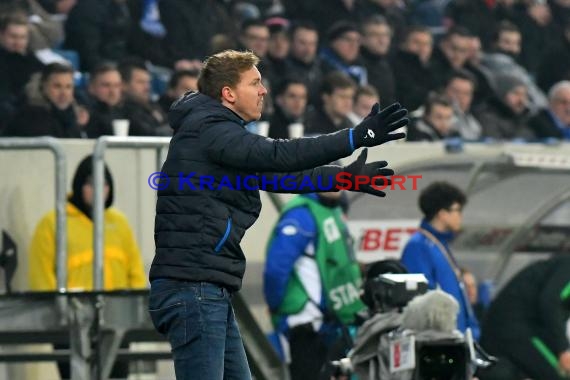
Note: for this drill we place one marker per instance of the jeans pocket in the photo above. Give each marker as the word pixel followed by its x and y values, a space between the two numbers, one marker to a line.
pixel 170 321
pixel 212 292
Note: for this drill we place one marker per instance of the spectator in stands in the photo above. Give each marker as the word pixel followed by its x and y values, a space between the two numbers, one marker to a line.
pixel 278 48
pixel 554 122
pixel 484 76
pixel 50 109
pixel 190 27
pixel 98 30
pixel 16 64
pixel 414 79
pixel 303 62
pixel 308 250
pixel 180 82
pixel 505 116
pixel 147 35
pixel 538 33
pixel 451 54
pixel 376 42
pixel 526 323
pixel 436 123
pixel 475 15
pixel 254 36
pixel 290 106
pixel 429 13
pixel 123 261
pixel 364 99
pixel 428 250
pixel 336 11
pixel 337 94
pixel 45 32
pixel 342 52
pixel 146 117
pixel 554 64
pixel 459 89
pixel 503 61
pixel 392 11
pixel 105 89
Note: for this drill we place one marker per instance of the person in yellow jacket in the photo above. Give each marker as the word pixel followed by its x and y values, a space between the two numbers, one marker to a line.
pixel 122 261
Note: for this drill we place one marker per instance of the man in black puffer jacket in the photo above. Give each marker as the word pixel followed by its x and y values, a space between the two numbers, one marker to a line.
pixel 209 197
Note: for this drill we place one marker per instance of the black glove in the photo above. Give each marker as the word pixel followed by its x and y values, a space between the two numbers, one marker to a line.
pixel 362 169
pixel 376 127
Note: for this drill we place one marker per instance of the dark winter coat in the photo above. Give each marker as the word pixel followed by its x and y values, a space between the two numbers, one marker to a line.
pixel 501 123
pixel 198 228
pixel 99 31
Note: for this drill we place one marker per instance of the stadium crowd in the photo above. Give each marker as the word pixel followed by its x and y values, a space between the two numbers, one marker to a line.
pixel 480 70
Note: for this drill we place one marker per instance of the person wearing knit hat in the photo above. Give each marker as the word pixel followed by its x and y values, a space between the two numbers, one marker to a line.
pixel 278 48
pixel 342 52
pixel 123 262
pixel 505 116
pixel 339 29
pixel 122 258
pixel 507 83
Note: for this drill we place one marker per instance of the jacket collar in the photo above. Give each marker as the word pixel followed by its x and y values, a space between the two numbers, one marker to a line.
pixel 443 237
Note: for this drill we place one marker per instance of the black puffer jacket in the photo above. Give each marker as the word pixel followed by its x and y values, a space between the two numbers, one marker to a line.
pixel 198 229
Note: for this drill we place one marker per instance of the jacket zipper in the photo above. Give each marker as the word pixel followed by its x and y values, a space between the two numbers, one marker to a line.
pixel 226 234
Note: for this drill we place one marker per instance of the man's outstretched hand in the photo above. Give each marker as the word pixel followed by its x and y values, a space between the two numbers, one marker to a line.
pixel 376 128
pixel 370 170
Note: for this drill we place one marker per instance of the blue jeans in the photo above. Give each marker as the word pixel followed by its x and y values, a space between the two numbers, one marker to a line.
pixel 198 320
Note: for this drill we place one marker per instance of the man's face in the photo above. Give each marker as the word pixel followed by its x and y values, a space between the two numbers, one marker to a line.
pixel 294 100
pixel 256 39
pixel 441 118
pixel 304 45
pixel 59 90
pixel 560 105
pixel 363 105
pixel 421 44
pixel 460 91
pixel 279 45
pixel 456 48
pixel 347 46
pixel 246 99
pixel 14 39
pixel 510 42
pixel 138 86
pixel 377 38
pixel 106 88
pixel 475 50
pixel 339 103
pixel 517 99
pixel 185 84
pixel 452 218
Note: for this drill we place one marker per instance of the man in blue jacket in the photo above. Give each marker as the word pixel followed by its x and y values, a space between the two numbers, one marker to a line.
pixel 198 262
pixel 428 250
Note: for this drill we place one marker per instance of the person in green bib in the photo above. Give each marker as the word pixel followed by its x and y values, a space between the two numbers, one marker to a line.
pixel 311 280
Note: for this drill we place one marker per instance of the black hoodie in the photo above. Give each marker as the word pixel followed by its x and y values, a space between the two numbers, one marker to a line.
pixel 199 226
pixel 83 173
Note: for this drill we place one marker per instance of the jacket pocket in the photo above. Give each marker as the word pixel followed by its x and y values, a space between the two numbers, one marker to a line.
pixel 226 235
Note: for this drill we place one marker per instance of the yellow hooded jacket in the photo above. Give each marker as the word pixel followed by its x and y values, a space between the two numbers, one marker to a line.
pixel 122 261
